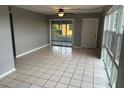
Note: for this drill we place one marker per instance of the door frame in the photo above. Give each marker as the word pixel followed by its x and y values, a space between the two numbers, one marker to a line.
pixel 50 34
pixel 12 31
pixel 96 32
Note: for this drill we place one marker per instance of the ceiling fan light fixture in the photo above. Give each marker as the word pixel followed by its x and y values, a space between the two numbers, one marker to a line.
pixel 60 13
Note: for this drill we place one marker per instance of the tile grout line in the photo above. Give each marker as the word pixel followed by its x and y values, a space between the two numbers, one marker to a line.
pixel 51 76
pixel 83 71
pixel 93 71
pixel 54 72
pixel 63 73
pixel 50 65
pixel 28 75
pixel 47 73
pixel 74 70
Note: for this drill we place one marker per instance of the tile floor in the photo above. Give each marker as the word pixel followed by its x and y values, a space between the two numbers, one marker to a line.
pixel 58 67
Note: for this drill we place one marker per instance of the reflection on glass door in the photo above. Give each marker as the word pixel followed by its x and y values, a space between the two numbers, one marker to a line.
pixel 61 33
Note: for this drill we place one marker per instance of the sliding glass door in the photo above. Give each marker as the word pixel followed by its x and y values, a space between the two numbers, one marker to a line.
pixel 61 33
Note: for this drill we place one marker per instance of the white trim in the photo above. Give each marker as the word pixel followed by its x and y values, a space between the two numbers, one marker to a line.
pixel 77 47
pixel 50 30
pixel 32 51
pixel 62 19
pixel 7 73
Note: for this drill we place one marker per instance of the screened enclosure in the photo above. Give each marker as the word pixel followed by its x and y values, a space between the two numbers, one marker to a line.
pixel 112 40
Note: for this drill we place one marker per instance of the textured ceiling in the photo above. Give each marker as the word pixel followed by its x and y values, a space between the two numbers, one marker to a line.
pixel 52 9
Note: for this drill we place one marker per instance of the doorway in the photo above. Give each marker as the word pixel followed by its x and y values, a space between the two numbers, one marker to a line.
pixel 61 32
pixel 89 32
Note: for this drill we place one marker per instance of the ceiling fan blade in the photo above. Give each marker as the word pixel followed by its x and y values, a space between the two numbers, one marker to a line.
pixel 68 13
pixel 83 9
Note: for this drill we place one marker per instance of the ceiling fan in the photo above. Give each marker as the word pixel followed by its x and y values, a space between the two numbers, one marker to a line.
pixel 62 11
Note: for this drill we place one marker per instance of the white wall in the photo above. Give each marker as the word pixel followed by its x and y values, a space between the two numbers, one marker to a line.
pixel 6 53
pixel 31 30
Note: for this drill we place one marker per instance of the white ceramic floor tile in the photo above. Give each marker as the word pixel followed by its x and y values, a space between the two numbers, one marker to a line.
pixel 88 73
pixel 87 85
pixel 88 78
pixel 75 82
pixel 65 80
pixel 45 76
pixel 5 81
pixel 35 86
pixel 66 74
pixel 61 85
pixel 55 78
pixel 99 86
pixel 13 84
pixel 100 81
pixel 31 80
pixel 79 72
pixel 23 85
pixel 1 86
pixel 72 86
pixel 40 82
pixel 30 72
pixel 55 63
pixel 22 77
pixel 77 76
pixel 50 84
pixel 37 74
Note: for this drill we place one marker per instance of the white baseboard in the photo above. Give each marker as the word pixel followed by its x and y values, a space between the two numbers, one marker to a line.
pixel 77 47
pixel 7 73
pixel 32 51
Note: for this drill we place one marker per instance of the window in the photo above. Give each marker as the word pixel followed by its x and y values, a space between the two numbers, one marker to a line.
pixel 113 32
pixel 119 36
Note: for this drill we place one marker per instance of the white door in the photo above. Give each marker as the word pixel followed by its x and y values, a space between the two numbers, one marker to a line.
pixel 89 32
